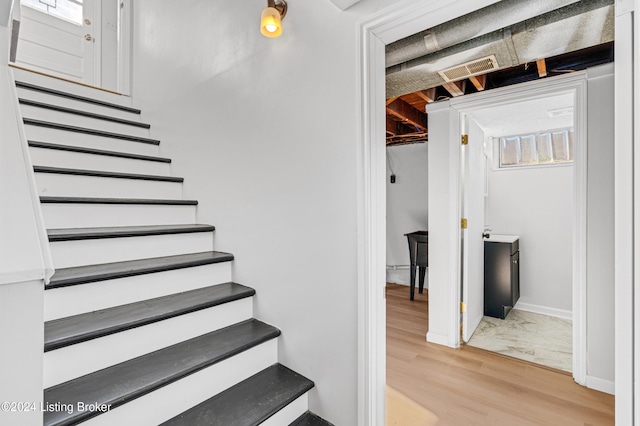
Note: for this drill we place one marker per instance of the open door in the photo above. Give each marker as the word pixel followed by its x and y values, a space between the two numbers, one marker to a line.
pixel 472 206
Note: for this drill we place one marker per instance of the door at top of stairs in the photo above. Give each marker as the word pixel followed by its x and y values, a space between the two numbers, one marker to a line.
pixel 80 40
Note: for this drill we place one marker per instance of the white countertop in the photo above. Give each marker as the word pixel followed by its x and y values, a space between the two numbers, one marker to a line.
pixel 501 238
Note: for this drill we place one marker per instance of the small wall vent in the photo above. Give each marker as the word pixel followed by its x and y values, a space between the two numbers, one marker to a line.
pixel 476 67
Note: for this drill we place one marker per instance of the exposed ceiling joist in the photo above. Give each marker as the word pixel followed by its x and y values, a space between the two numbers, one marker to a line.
pixel 407 114
pixel 479 82
pixel 428 95
pixel 542 67
pixel 455 88
pixel 392 126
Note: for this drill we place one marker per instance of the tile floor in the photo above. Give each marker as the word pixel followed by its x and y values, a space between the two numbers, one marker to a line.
pixel 532 337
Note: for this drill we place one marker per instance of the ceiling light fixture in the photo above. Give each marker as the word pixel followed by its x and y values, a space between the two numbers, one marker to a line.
pixel 272 16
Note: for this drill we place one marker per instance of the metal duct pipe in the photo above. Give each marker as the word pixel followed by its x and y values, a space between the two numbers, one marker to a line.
pixel 489 19
pixel 577 26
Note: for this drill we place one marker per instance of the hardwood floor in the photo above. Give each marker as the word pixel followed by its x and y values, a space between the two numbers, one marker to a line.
pixel 429 384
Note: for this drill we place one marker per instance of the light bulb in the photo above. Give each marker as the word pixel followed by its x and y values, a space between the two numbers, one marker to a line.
pixel 270 23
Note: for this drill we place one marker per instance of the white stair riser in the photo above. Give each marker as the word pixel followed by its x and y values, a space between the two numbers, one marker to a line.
pixel 78 299
pixel 65 215
pixel 77 360
pixel 53 184
pixel 77 160
pixel 33 95
pixel 70 119
pixel 65 137
pixel 171 400
pixel 288 414
pixel 68 87
pixel 90 252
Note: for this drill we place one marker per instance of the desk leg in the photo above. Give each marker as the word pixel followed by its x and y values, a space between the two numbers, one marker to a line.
pixel 413 281
pixel 423 271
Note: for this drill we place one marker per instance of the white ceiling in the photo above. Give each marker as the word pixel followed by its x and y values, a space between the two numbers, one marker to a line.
pixel 524 117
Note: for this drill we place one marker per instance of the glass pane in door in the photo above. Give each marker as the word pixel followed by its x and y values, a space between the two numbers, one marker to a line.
pixel 69 10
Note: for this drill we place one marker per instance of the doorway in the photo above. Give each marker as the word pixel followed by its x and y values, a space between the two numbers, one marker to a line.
pixel 84 41
pixel 386 27
pixel 518 184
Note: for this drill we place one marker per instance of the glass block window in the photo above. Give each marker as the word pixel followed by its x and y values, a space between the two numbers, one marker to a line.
pixel 536 149
pixel 69 10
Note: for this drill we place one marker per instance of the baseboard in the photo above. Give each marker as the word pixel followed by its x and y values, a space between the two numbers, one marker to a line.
pixel 544 310
pixel 439 339
pixel 602 385
pixel 398 276
pixel 402 276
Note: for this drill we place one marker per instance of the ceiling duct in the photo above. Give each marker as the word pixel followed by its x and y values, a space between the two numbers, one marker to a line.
pixel 580 25
pixel 484 21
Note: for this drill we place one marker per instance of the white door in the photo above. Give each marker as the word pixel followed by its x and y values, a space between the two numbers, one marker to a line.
pixel 472 198
pixel 59 37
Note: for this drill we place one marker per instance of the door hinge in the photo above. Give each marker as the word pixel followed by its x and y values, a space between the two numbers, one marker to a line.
pixel 465 139
pixel 463 307
pixel 463 223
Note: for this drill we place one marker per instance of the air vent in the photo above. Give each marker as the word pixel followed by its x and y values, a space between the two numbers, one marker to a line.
pixel 479 66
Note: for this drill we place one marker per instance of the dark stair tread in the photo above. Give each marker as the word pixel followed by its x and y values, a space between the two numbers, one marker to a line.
pixel 87 131
pixel 107 271
pixel 121 383
pixel 100 173
pixel 72 234
pixel 80 328
pixel 87 114
pixel 92 200
pixel 83 150
pixel 249 402
pixel 310 419
pixel 37 88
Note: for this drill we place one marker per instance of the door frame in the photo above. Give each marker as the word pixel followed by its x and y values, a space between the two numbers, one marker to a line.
pixel 408 17
pixel 576 85
pixel 125 49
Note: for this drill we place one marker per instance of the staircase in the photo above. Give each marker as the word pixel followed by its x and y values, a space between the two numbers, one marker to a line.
pixel 144 325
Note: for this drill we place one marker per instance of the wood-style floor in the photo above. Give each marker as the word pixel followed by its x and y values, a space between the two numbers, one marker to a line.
pixel 429 384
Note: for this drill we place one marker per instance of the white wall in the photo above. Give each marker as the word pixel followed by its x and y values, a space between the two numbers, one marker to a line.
pixel 601 330
pixel 264 131
pixel 407 205
pixel 536 203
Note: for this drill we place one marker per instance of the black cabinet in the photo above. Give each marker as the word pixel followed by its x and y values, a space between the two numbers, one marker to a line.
pixel 501 277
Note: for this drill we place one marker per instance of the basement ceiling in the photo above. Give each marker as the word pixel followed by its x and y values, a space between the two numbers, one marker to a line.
pixel 514 41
